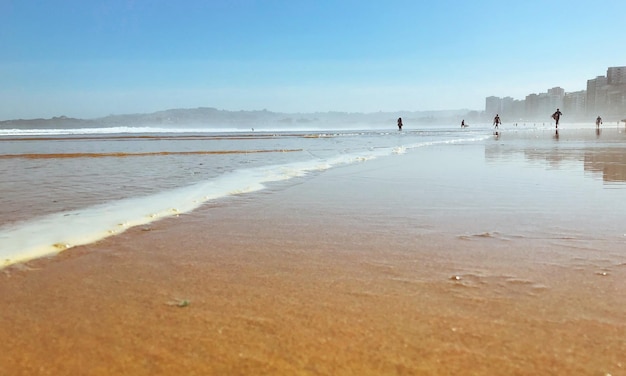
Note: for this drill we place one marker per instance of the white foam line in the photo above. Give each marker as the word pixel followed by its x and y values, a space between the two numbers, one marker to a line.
pixel 51 234
pixel 54 233
pixel 110 130
pixel 445 142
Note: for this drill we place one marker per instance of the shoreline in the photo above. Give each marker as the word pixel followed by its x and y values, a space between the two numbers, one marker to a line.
pixel 331 274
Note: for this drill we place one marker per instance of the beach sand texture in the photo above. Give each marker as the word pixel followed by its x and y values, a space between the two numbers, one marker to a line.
pixel 474 259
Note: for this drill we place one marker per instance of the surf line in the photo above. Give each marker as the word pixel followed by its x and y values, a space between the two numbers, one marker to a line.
pixel 54 233
pixel 48 235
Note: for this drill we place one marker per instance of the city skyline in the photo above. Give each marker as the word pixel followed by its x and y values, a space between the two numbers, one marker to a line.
pixel 88 60
pixel 603 95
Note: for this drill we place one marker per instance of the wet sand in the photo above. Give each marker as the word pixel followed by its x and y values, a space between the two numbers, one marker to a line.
pixel 335 274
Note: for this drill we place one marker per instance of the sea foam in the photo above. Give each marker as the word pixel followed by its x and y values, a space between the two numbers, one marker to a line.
pixel 53 233
pixel 48 235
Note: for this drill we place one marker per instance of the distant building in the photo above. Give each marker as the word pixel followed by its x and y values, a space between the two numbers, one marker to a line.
pixel 506 106
pixel 596 95
pixel 574 104
pixel 555 97
pixel 556 92
pixel 604 96
pixel 531 106
pixel 616 92
pixel 616 75
pixel 518 109
pixel 545 106
pixel 493 105
pixel 541 106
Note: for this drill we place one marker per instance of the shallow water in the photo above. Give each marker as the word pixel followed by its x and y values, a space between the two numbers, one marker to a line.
pixel 63 190
pixel 43 175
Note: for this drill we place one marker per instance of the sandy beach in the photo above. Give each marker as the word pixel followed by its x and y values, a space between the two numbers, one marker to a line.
pixel 398 266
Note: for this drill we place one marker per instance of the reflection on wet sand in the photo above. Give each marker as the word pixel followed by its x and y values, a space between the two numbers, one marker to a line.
pixel 610 163
pixel 599 152
pixel 554 156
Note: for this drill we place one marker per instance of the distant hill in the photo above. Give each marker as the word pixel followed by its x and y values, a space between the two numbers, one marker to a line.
pixel 211 117
pixel 55 122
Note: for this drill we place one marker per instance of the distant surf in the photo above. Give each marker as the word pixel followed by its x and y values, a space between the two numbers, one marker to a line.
pixel 50 234
pixel 111 130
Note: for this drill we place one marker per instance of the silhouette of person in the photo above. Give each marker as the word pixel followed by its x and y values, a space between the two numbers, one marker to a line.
pixel 556 116
pixel 598 121
pixel 496 121
pixel 463 123
pixel 399 123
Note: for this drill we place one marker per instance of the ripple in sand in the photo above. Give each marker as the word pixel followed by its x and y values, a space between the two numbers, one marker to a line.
pixel 498 285
pixel 484 235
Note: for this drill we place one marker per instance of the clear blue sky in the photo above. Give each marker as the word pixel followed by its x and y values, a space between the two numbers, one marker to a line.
pixel 89 59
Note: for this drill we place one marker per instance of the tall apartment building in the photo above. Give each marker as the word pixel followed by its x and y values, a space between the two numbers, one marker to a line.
pixel 616 92
pixel 493 105
pixel 616 75
pixel 506 106
pixel 555 97
pixel 574 104
pixel 532 106
pixel 605 96
pixel 596 94
pixel 541 106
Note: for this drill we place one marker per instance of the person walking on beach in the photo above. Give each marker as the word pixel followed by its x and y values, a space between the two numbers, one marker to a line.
pixel 598 121
pixel 496 121
pixel 556 116
pixel 399 123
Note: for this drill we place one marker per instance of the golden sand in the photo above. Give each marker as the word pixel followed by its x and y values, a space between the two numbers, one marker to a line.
pixel 303 295
pixel 307 279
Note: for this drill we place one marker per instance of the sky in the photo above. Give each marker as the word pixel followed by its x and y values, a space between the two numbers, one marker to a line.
pixel 91 59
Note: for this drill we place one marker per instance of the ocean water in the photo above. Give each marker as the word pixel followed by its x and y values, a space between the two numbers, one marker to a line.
pixel 66 187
